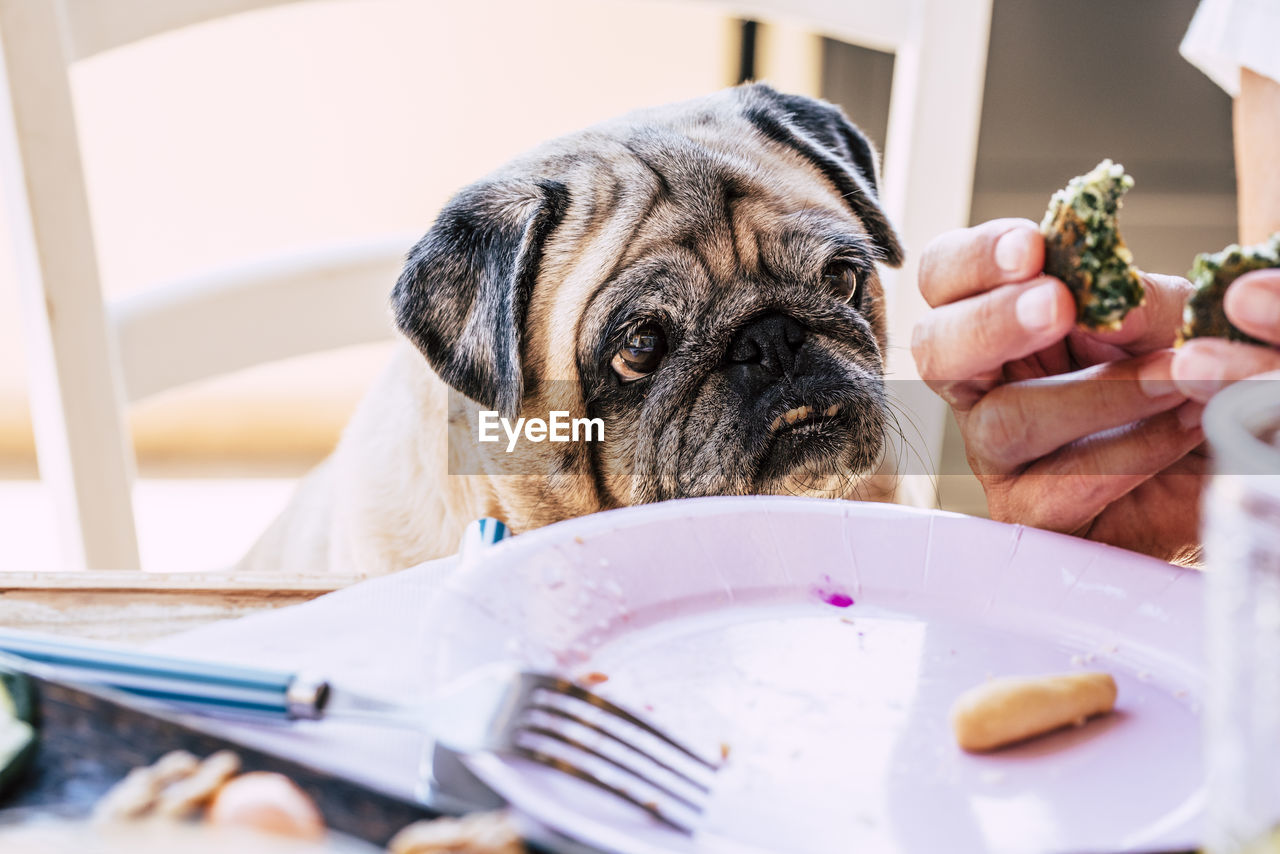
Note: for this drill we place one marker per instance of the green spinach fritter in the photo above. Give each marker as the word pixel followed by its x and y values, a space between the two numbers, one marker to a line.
pixel 1211 273
pixel 1083 247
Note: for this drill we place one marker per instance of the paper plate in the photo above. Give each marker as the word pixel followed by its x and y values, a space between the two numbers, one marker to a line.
pixel 822 643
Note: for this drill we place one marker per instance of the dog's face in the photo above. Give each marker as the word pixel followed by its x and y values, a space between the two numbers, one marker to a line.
pixel 702 277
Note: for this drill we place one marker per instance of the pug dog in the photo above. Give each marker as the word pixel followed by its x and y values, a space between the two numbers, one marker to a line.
pixel 698 280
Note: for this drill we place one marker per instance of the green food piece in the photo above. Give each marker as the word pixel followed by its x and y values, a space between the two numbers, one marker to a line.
pixel 1204 315
pixel 17 734
pixel 17 745
pixel 1083 247
pixel 17 698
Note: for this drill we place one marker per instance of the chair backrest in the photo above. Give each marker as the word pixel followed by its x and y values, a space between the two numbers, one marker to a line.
pixel 88 359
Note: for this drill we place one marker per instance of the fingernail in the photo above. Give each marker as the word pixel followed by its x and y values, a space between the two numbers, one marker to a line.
pixel 1198 373
pixel 1037 308
pixel 1155 378
pixel 1012 250
pixel 1256 305
pixel 1189 414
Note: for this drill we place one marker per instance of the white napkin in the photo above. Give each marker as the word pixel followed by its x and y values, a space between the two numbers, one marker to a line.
pixel 367 638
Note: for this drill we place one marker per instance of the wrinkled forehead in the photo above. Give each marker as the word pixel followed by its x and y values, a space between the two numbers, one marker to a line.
pixel 730 204
pixel 729 199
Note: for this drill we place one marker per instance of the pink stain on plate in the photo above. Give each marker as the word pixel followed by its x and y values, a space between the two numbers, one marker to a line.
pixel 833 595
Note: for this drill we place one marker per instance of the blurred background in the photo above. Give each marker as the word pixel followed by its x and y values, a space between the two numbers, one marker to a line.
pixel 332 120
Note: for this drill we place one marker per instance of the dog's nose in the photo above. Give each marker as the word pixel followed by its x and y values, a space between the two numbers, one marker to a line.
pixel 771 342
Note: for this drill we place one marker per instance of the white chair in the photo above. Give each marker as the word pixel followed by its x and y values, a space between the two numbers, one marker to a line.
pixel 88 359
pixel 940 54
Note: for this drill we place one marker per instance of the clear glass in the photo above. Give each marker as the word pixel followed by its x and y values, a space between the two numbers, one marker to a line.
pixel 1241 526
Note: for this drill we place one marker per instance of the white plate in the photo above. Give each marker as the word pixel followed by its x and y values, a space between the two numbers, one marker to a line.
pixel 824 642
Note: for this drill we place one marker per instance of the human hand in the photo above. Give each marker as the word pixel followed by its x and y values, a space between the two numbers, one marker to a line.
pixel 1202 366
pixel 1067 429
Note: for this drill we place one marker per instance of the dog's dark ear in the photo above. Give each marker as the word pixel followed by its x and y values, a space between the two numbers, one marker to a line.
pixel 821 132
pixel 465 287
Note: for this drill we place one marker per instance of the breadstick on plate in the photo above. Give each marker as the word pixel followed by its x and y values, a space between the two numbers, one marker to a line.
pixel 1007 710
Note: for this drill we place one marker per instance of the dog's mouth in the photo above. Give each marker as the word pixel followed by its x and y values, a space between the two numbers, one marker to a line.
pixel 817 433
pixel 801 416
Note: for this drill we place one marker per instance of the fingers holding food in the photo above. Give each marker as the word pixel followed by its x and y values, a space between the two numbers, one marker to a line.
pixel 1149 327
pixel 1068 491
pixel 966 262
pixel 969 341
pixel 1206 365
pixel 1020 422
pixel 1205 315
pixel 1231 324
pixel 1252 304
pixel 1009 710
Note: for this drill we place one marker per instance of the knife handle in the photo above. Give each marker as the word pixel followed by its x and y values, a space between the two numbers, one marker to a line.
pixel 250 689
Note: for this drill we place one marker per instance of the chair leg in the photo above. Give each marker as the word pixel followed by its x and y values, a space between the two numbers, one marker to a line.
pixel 76 393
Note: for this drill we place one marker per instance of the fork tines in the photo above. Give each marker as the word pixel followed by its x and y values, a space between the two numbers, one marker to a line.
pixel 563 725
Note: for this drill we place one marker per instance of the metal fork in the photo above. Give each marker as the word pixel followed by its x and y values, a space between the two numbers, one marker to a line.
pixel 557 723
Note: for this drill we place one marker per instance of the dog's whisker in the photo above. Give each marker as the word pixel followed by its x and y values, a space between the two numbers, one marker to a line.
pixel 895 409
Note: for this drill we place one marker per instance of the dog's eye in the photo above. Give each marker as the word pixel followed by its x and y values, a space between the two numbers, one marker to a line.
pixel 841 278
pixel 641 354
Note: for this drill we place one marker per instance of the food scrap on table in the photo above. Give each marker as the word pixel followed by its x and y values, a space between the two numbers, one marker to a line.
pixel 1008 710
pixel 178 786
pixel 479 833
pixel 139 793
pixel 269 802
pixel 184 796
